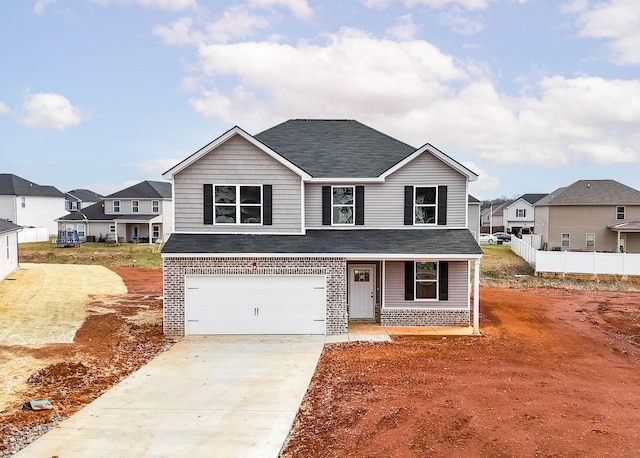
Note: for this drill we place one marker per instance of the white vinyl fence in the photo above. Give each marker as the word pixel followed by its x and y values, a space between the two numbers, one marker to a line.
pixel 33 234
pixel 573 262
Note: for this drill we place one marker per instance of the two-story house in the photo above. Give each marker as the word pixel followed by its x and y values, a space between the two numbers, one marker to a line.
pixel 8 248
pixel 590 215
pixel 77 199
pixel 28 204
pixel 313 223
pixel 140 213
pixel 520 214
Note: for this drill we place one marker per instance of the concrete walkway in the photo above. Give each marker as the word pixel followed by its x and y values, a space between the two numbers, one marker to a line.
pixel 213 396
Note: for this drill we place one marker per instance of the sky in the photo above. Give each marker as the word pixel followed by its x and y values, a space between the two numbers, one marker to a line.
pixel 531 95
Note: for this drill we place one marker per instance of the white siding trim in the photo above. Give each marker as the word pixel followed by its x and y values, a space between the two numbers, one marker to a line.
pixel 471 176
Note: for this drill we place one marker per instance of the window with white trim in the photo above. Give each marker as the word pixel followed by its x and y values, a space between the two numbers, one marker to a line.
pixel 8 251
pixel 591 239
pixel 425 204
pixel 521 212
pixel 112 228
pixel 565 240
pixel 81 230
pixel 620 211
pixel 155 206
pixel 155 231
pixel 135 206
pixel 342 204
pixel 116 206
pixel 23 202
pixel 426 280
pixel 238 204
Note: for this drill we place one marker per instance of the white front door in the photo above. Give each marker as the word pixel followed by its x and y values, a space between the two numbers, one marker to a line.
pixel 362 279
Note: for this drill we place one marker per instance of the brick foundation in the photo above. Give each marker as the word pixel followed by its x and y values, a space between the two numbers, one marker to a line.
pixel 424 317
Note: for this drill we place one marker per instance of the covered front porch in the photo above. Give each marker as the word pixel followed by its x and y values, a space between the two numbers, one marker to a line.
pixel 628 236
pixel 138 229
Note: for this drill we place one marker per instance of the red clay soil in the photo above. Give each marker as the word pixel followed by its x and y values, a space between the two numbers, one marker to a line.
pixel 556 373
pixel 111 344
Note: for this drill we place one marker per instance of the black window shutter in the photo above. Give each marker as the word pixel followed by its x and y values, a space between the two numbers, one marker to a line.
pixel 208 204
pixel 409 280
pixel 326 205
pixel 443 280
pixel 442 205
pixel 267 215
pixel 408 205
pixel 359 205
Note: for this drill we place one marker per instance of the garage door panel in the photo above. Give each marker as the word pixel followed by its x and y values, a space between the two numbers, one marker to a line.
pixel 255 305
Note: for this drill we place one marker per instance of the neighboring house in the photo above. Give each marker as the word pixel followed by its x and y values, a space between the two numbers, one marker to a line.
pixel 520 214
pixel 28 204
pixel 590 215
pixel 81 198
pixel 313 223
pixel 139 213
pixel 473 211
pixel 492 217
pixel 8 248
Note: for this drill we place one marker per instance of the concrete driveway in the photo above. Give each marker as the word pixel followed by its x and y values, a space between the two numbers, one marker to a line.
pixel 210 396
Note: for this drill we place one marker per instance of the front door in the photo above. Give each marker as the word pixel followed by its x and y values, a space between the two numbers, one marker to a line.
pixel 362 279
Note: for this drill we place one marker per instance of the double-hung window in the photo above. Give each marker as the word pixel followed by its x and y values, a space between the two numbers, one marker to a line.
pixel 135 206
pixel 565 240
pixel 342 204
pixel 426 280
pixel 521 212
pixel 620 212
pixel 116 206
pixel 155 206
pixel 591 239
pixel 238 204
pixel 155 231
pixel 425 204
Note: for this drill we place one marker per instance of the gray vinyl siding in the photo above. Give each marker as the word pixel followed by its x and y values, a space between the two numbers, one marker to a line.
pixel 383 202
pixel 474 219
pixel 579 220
pixel 237 162
pixel 458 287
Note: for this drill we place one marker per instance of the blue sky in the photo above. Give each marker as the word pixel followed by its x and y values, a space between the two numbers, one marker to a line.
pixel 530 94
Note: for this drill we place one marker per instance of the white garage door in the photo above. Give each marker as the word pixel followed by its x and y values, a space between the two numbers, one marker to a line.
pixel 255 304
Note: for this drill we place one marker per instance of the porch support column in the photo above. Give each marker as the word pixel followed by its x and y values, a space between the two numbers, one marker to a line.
pixel 476 296
pixel 150 232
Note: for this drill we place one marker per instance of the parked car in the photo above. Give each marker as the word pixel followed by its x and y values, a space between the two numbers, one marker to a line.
pixel 487 238
pixel 502 236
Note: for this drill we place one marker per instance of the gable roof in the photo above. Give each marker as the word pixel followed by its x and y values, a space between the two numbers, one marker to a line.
pixel 592 192
pixel 473 200
pixel 531 198
pixel 144 190
pixel 84 195
pixel 335 148
pixel 8 226
pixel 13 185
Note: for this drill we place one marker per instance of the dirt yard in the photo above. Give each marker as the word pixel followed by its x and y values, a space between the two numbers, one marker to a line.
pixel 556 373
pixel 81 346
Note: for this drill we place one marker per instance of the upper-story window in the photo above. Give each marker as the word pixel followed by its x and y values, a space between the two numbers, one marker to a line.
pixel 116 206
pixel 155 206
pixel 620 212
pixel 521 212
pixel 342 204
pixel 425 204
pixel 135 206
pixel 237 204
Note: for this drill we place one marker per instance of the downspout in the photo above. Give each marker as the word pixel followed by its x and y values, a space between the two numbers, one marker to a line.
pixel 476 297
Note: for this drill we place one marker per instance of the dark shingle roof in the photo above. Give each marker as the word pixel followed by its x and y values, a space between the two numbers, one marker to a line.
pixel 8 226
pixel 93 212
pixel 335 148
pixel 593 192
pixel 473 200
pixel 331 242
pixel 85 195
pixel 532 198
pixel 145 190
pixel 13 185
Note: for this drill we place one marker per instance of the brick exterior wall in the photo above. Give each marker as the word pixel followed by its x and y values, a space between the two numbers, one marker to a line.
pixel 425 317
pixel 175 269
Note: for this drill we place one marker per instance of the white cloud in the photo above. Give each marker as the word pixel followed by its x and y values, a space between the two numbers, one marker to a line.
pixel 485 184
pixel 171 5
pixel 377 4
pixel 468 4
pixel 460 23
pixel 3 108
pixel 106 189
pixel 299 8
pixel 615 20
pixel 157 165
pixel 50 111
pixel 40 6
pixel 404 29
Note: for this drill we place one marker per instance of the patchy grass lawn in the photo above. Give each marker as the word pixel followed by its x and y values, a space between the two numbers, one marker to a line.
pixel 122 255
